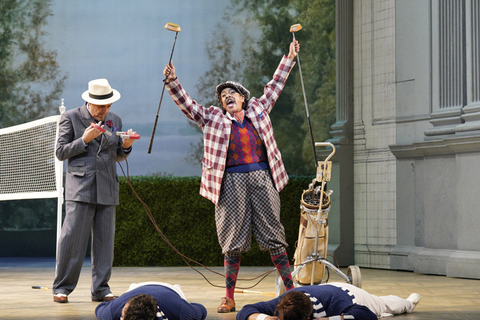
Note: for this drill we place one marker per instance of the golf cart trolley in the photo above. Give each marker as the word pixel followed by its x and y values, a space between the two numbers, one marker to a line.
pixel 311 252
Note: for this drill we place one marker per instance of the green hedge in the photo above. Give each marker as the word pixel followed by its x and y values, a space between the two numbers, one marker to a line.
pixel 188 221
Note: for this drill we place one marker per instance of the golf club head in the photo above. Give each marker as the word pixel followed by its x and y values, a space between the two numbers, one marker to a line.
pixel 173 27
pixel 296 27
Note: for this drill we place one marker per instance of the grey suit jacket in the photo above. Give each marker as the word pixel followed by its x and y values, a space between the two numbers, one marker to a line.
pixel 92 170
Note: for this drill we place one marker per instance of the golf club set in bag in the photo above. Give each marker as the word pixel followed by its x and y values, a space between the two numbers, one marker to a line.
pixel 312 245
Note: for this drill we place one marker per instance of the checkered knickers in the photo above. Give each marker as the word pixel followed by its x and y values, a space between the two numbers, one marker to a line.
pixel 249 202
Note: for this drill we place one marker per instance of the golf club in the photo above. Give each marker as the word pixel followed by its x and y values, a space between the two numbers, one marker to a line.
pixel 294 28
pixel 176 28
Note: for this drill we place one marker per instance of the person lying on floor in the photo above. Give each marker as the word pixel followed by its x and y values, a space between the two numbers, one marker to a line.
pixel 328 300
pixel 151 301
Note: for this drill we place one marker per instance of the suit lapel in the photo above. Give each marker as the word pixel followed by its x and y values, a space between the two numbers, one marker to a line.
pixel 106 139
pixel 227 124
pixel 86 119
pixel 251 114
pixel 100 147
pixel 86 116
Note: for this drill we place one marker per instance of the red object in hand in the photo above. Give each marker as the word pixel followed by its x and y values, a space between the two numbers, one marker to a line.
pixel 135 136
pixel 125 135
pixel 96 126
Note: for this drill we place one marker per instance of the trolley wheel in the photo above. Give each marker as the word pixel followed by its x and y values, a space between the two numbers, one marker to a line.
pixel 354 273
pixel 279 286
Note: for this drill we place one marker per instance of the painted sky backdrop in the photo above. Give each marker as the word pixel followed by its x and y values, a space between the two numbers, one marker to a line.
pixel 126 42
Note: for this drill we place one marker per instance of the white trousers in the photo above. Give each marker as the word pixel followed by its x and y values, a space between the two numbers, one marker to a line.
pixel 385 306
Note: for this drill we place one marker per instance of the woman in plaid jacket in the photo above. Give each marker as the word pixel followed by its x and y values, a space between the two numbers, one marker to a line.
pixel 242 169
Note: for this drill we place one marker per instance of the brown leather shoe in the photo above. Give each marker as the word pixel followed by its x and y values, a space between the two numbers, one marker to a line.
pixel 108 297
pixel 60 298
pixel 227 305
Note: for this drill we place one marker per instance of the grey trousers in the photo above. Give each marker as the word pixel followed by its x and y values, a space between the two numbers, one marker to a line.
pixel 81 219
pixel 249 203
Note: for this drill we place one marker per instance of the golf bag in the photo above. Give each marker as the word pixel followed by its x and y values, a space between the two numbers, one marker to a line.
pixel 313 225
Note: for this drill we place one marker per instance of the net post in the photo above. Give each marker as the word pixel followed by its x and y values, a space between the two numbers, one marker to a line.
pixel 62 108
pixel 59 179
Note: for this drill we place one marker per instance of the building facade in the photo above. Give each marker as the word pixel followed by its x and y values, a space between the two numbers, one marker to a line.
pixel 408 131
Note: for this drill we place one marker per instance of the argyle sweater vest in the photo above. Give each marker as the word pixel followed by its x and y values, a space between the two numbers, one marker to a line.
pixel 245 147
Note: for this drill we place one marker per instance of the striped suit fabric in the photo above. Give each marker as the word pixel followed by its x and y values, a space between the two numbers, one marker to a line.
pixel 91 194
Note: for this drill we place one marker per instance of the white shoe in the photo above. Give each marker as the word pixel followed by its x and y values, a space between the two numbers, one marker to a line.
pixel 414 298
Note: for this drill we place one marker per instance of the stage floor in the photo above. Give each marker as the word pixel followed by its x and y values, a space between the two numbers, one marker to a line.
pixel 442 297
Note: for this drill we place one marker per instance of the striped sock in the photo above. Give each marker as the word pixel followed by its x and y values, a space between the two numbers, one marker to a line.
pixel 232 266
pixel 283 266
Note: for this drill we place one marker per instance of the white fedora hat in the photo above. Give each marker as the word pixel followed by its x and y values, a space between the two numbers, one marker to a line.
pixel 99 92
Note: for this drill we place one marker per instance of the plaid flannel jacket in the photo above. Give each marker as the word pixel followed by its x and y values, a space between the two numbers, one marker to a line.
pixel 217 126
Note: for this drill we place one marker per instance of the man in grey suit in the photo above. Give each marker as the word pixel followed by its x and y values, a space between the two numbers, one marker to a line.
pixel 91 190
